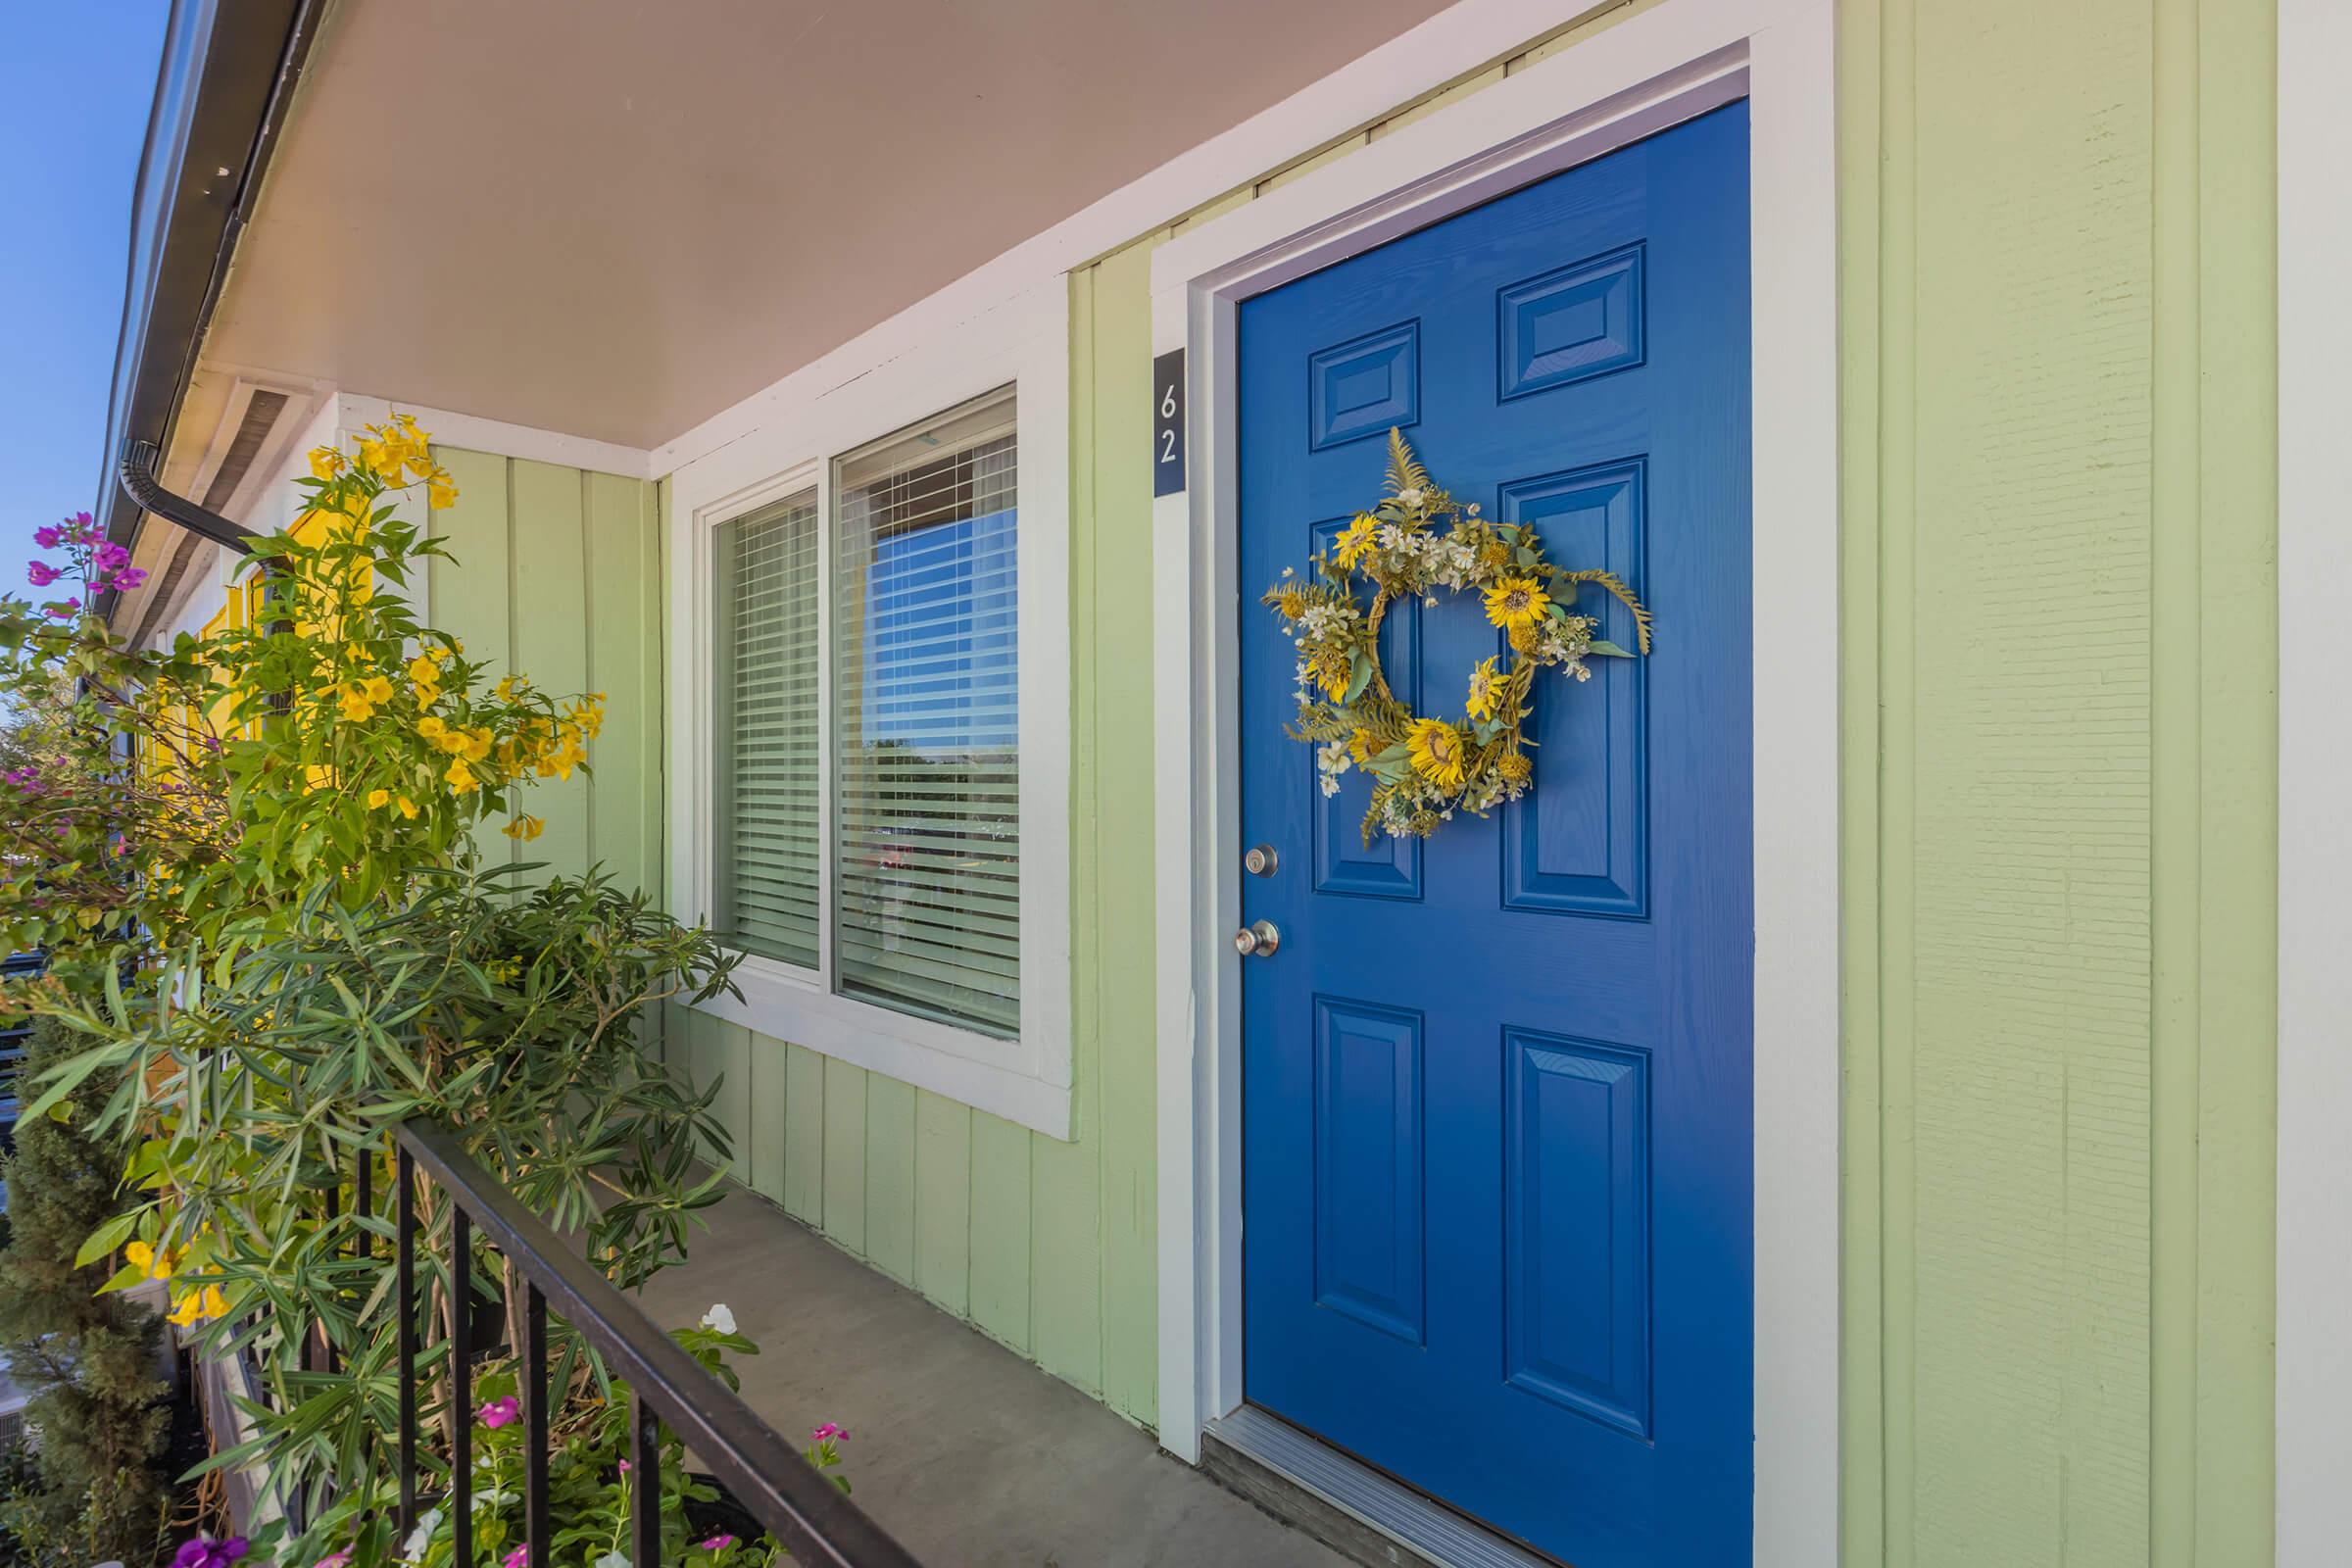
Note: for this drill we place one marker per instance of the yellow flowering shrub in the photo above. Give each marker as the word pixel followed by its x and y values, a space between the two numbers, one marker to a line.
pixel 325 737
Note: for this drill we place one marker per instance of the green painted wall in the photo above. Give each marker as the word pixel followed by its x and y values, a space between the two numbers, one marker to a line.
pixel 556 574
pixel 2058 771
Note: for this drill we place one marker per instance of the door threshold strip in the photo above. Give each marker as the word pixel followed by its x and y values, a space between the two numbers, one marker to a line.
pixel 1387 1510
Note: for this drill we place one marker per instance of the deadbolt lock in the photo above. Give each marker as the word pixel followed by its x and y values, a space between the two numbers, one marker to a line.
pixel 1262 860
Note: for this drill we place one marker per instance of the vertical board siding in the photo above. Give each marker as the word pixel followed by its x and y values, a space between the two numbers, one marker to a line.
pixel 889 1176
pixel 2029 1231
pixel 2059 775
pixel 2230 1296
pixel 943 1213
pixel 555 574
pixel 547 586
pixel 844 1160
pixel 801 1112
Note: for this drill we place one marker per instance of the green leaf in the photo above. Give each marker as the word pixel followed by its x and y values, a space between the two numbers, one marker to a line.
pixel 1607 650
pixel 65 1078
pixel 106 1237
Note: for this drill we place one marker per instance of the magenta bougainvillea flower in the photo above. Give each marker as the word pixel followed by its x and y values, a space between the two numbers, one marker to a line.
pixel 102 564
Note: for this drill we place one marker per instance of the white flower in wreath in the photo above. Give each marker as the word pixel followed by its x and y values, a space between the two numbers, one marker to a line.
pixel 719 1318
pixel 1331 760
pixel 1410 496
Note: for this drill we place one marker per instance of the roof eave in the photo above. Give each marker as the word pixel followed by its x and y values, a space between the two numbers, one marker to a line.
pixel 226 78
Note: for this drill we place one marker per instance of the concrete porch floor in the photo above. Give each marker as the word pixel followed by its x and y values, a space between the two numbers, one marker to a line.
pixel 963 1450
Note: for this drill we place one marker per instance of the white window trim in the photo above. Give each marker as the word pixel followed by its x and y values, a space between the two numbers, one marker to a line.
pixel 2314 1372
pixel 1024 343
pixel 1650 70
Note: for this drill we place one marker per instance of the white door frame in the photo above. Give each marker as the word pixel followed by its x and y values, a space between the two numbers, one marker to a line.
pixel 1651 70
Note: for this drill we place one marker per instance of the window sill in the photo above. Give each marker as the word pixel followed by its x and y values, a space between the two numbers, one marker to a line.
pixel 999 1076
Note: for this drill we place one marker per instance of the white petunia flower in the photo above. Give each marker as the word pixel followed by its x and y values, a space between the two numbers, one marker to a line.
pixel 719 1318
pixel 613 1560
pixel 422 1535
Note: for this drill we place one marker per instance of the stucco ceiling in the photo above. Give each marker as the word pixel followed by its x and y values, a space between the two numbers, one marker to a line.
pixel 616 217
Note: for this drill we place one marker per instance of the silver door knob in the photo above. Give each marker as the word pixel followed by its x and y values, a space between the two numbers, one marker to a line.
pixel 1257 941
pixel 1262 860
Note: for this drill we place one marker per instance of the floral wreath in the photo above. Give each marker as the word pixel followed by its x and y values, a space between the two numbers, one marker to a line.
pixel 1423 769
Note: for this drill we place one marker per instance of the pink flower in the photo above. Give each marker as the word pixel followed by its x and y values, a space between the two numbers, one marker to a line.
pixel 714 1543
pixel 202 1552
pixel 828 1433
pixel 40 574
pixel 110 555
pixel 63 609
pixel 501 1412
pixel 128 578
pixel 625 1467
pixel 516 1558
pixel 335 1560
pixel 48 538
pixel 77 524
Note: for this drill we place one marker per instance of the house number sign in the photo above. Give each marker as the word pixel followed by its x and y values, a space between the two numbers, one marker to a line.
pixel 1168 424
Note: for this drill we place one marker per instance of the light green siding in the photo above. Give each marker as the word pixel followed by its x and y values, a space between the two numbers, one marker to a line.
pixel 2059 523
pixel 556 573
pixel 2058 778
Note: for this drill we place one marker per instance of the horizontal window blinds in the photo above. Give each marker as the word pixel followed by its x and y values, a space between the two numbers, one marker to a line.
pixel 766 845
pixel 926 874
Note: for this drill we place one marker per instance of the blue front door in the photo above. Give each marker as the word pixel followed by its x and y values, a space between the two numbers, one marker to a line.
pixel 1498 1144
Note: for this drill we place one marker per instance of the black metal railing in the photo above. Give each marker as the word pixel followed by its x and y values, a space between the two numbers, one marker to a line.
pixel 805 1510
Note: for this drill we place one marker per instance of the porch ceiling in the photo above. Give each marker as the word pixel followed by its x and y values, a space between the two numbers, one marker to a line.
pixel 616 220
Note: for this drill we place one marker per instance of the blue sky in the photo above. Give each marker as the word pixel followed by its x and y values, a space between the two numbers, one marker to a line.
pixel 74 85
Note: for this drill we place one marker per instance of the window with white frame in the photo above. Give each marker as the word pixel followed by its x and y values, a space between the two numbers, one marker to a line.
pixel 914 904
pixel 869 742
